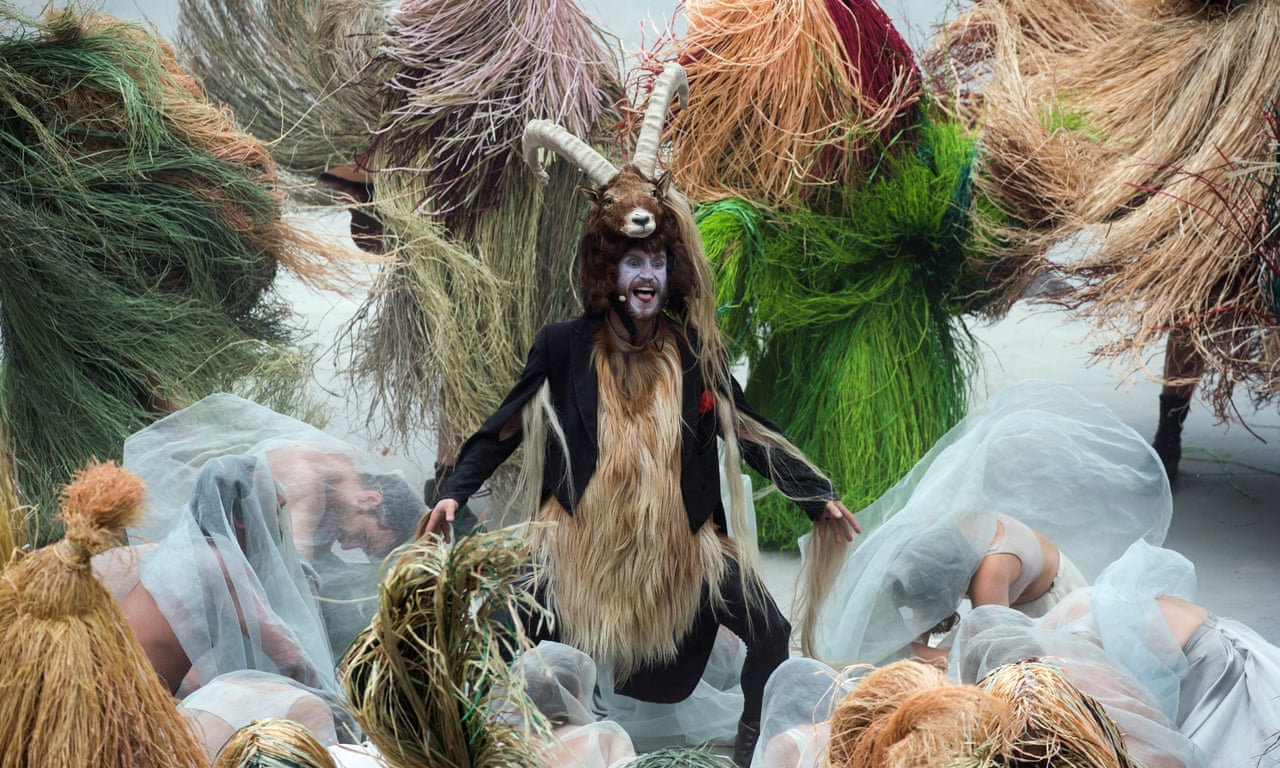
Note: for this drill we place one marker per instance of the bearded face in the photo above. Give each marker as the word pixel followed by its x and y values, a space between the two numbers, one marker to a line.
pixel 642 282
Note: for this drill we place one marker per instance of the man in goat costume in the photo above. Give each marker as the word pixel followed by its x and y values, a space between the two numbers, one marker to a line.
pixel 629 400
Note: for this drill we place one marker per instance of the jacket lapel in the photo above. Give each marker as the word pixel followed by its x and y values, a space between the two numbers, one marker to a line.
pixel 585 385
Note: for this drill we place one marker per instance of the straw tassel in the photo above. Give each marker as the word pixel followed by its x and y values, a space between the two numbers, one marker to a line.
pixel 77 688
pixel 151 230
pixel 1159 107
pixel 1052 722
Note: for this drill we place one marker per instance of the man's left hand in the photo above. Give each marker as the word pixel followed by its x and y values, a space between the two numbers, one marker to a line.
pixel 837 520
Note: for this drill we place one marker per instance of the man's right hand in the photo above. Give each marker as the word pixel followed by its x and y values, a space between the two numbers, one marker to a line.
pixel 437 522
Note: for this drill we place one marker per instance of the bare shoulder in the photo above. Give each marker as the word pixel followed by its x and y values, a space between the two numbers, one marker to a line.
pixel 991 581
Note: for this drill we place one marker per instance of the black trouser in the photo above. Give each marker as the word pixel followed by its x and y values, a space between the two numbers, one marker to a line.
pixel 752 615
pixel 756 618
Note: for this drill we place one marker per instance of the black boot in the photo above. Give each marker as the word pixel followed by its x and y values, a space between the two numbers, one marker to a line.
pixel 1168 439
pixel 744 746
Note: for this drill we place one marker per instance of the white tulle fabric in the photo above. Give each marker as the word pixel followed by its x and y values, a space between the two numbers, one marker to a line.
pixel 1221 688
pixel 232 701
pixel 224 568
pixel 799 700
pixel 1037 451
pixel 560 680
pixel 708 716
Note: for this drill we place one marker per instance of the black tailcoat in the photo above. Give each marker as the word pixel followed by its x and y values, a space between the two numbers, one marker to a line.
pixel 561 357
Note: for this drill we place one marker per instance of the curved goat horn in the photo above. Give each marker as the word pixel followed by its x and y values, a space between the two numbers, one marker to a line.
pixel 544 134
pixel 671 79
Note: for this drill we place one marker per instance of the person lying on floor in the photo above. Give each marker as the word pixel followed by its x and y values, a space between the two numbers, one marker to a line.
pixel 1031 495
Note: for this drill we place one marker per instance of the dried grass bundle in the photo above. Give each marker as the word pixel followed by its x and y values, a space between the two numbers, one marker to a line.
pixel 786 103
pixel 681 757
pixel 461 80
pixel 130 189
pixel 847 317
pixel 291 72
pixel 77 687
pixel 1156 107
pixel 274 743
pixel 426 355
pixel 1051 722
pixel 932 728
pixel 13 513
pixel 429 678
pixel 876 696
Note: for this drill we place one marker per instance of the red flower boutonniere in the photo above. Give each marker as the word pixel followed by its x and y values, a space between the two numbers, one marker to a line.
pixel 707 401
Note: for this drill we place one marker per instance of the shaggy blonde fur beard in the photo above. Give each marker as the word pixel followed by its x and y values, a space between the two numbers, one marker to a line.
pixel 624 575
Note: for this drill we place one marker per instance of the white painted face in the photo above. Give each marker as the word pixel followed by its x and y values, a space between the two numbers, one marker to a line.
pixel 642 282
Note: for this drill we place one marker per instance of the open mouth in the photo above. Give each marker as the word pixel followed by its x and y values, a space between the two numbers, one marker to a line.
pixel 645 295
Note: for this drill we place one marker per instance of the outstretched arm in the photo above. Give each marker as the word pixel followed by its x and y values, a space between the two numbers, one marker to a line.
pixel 491 445
pixel 436 521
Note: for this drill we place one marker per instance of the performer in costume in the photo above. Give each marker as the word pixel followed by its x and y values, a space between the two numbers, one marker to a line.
pixel 835 205
pixel 1217 679
pixel 993 636
pixel 150 228
pixel 262 543
pixel 622 409
pixel 1036 452
pixel 1074 710
pixel 77 689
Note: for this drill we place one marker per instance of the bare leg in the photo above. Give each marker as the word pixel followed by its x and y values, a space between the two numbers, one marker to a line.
pixel 1182 370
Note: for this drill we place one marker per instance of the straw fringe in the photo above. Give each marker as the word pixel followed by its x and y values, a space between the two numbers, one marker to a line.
pixel 1161 109
pixel 1024 713
pixel 431 339
pixel 933 728
pixel 854 302
pixel 681 757
pixel 821 124
pixel 127 187
pixel 1052 722
pixel 427 680
pixel 461 80
pixel 13 513
pixel 489 249
pixel 878 694
pixel 78 689
pixel 623 573
pixel 274 743
pixel 290 71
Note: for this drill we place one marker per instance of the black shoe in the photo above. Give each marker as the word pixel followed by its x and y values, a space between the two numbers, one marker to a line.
pixel 744 745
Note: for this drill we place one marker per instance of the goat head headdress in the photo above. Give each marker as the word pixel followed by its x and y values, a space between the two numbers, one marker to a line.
pixel 627 204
